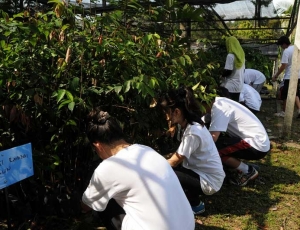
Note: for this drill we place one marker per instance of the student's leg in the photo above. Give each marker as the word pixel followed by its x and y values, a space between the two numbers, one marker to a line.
pixel 113 215
pixel 190 183
pixel 235 147
pixel 283 95
pixel 231 150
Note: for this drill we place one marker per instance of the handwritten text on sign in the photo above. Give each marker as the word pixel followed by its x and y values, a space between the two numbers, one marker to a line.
pixel 15 165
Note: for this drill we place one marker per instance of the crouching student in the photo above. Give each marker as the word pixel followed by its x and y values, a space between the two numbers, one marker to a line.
pixel 196 162
pixel 134 187
pixel 250 98
pixel 246 138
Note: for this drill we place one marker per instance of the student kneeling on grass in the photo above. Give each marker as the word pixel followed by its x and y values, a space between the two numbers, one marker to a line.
pixel 246 138
pixel 196 161
pixel 134 187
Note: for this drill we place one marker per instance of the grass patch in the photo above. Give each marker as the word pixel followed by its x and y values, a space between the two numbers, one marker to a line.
pixel 270 202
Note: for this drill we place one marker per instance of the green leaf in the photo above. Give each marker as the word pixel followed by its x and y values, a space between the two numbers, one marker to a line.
pixel 150 91
pixel 156 35
pixel 147 38
pixel 170 3
pixel 2 43
pixel 188 59
pixel 118 89
pixel 121 97
pixel 60 94
pixel 55 1
pixel 64 27
pixel 182 61
pixel 69 96
pixel 127 86
pixel 33 41
pixel 195 86
pixel 74 84
pixel 152 82
pixel 19 15
pixel 63 103
pixel 71 122
pixel 71 106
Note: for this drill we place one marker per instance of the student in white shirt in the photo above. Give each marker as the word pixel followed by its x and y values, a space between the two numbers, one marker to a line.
pixel 246 138
pixel 254 78
pixel 286 66
pixel 250 98
pixel 196 161
pixel 134 187
pixel 232 77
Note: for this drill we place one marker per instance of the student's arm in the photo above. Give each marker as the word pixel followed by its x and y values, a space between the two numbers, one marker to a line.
pixel 85 208
pixel 215 135
pixel 280 70
pixel 176 159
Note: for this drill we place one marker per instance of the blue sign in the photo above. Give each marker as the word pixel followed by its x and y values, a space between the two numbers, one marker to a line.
pixel 15 165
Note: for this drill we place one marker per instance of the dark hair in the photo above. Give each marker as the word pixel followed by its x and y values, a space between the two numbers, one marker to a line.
pixel 223 92
pixel 183 98
pixel 102 127
pixel 283 40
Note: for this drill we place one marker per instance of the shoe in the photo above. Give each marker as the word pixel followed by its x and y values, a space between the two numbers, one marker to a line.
pixel 280 114
pixel 242 179
pixel 199 209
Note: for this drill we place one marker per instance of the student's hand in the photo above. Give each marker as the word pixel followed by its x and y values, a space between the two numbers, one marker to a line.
pixel 84 208
pixel 176 159
pixel 274 78
pixel 171 132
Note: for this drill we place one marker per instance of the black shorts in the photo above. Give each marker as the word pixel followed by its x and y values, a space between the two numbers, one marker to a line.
pixel 237 148
pixel 285 89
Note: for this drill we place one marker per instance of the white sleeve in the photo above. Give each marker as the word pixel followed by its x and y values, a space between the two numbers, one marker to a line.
pixel 246 77
pixel 219 119
pixel 188 145
pixel 242 98
pixel 229 64
pixel 285 57
pixel 98 193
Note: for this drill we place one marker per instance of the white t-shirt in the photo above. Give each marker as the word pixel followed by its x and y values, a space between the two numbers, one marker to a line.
pixel 253 76
pixel 286 58
pixel 235 119
pixel 202 157
pixel 251 97
pixel 234 82
pixel 144 184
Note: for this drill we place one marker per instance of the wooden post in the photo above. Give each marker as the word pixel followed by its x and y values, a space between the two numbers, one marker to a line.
pixel 290 101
